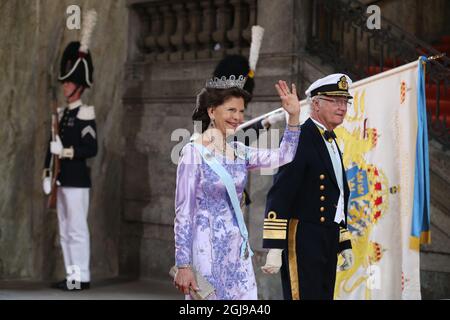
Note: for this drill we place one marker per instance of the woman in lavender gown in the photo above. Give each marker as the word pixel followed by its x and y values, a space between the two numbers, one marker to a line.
pixel 210 237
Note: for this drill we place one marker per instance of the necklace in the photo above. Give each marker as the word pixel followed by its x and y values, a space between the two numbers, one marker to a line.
pixel 212 139
pixel 223 149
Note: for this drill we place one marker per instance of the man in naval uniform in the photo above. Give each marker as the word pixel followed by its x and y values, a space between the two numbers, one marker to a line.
pixel 305 223
pixel 76 142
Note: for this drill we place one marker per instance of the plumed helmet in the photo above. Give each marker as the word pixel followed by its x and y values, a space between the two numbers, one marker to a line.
pixel 76 62
pixel 76 66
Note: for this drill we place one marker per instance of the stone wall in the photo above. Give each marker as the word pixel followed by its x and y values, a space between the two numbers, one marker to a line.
pixel 33 36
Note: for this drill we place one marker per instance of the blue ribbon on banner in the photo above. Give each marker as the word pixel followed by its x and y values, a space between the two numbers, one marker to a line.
pixel 421 206
pixel 231 189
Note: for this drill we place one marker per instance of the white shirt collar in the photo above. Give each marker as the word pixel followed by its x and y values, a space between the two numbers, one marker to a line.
pixel 75 104
pixel 321 126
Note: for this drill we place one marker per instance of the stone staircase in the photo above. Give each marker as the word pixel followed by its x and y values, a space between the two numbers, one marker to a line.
pixel 435 257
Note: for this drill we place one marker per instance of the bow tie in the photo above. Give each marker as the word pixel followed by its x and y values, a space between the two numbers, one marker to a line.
pixel 329 135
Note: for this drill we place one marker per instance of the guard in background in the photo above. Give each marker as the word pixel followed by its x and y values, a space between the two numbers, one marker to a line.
pixel 305 223
pixel 76 142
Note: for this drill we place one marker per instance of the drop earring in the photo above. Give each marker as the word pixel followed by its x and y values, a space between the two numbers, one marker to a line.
pixel 212 125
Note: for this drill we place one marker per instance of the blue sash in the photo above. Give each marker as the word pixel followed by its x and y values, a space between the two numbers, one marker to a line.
pixel 231 189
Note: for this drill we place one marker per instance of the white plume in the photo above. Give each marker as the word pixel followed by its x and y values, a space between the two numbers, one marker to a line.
pixel 89 22
pixel 257 37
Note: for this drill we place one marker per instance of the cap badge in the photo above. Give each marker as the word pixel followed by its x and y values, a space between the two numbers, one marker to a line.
pixel 343 84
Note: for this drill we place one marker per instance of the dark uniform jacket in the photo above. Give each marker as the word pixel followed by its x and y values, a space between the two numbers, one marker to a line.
pixel 77 129
pixel 305 189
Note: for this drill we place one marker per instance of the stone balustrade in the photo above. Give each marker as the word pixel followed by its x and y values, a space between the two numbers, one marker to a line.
pixel 177 30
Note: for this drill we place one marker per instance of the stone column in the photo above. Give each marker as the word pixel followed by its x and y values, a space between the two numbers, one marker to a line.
pixel 235 34
pixel 191 38
pixel 155 22
pixel 177 40
pixel 223 24
pixel 205 36
pixel 168 29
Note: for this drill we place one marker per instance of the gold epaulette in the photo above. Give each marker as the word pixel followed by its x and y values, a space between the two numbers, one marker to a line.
pixel 274 228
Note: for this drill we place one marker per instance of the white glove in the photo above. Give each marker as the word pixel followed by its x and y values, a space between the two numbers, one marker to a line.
pixel 56 147
pixel 347 254
pixel 273 119
pixel 273 261
pixel 47 185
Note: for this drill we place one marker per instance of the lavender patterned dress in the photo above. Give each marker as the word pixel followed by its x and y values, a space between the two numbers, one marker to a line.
pixel 207 235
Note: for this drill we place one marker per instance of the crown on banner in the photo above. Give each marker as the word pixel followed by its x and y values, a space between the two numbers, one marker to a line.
pixel 224 83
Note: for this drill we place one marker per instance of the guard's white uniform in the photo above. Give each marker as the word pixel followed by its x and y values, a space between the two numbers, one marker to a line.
pixel 73 207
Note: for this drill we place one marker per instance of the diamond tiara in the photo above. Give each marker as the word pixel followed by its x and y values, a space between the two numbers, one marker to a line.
pixel 224 83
